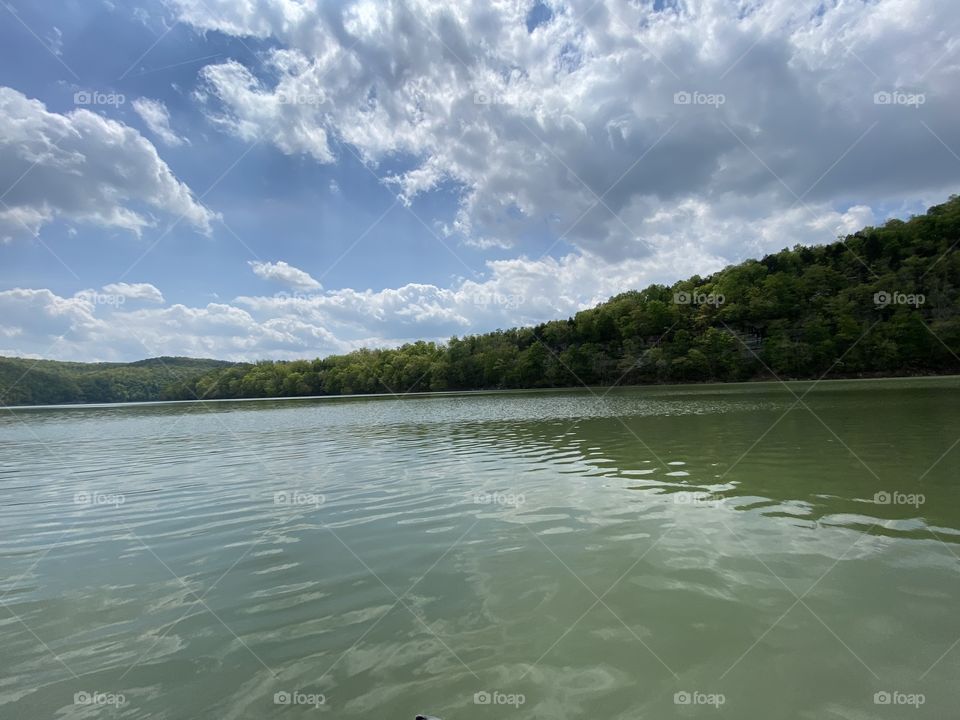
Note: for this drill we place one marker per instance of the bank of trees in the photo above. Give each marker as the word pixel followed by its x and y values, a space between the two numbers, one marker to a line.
pixel 49 382
pixel 884 300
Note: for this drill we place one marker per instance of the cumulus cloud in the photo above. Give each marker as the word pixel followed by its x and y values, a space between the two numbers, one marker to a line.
pixel 157 119
pixel 252 111
pixel 598 117
pixel 134 291
pixel 93 326
pixel 647 141
pixel 288 275
pixel 84 168
pixel 43 316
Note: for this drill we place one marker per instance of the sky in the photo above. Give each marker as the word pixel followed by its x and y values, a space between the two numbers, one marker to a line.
pixel 291 178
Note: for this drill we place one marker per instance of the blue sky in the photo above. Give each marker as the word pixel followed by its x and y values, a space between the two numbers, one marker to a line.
pixel 283 178
pixel 280 205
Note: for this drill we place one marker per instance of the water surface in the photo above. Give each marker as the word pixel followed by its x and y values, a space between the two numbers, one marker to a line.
pixel 593 554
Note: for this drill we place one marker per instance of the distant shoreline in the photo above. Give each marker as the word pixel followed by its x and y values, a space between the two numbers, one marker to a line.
pixel 497 391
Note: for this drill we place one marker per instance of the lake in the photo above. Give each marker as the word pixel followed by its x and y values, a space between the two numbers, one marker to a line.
pixel 737 551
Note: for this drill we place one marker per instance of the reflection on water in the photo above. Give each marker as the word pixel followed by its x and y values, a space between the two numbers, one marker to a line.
pixel 655 552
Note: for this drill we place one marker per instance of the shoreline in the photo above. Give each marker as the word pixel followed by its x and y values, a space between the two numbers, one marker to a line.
pixel 495 391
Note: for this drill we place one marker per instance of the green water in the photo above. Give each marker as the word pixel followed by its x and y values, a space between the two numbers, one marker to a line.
pixel 572 554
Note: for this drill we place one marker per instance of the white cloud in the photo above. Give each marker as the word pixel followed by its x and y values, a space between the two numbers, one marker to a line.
pixel 134 291
pixel 281 272
pixel 251 111
pixel 55 41
pixel 571 132
pixel 574 129
pixel 83 168
pixel 83 328
pixel 43 316
pixel 157 119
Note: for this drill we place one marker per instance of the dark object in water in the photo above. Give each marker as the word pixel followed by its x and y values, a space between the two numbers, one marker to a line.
pixel 426 717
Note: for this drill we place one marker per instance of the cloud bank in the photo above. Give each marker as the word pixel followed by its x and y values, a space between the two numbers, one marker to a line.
pixel 592 147
pixel 83 168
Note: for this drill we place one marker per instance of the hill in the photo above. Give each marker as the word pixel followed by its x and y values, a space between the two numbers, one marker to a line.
pixel 48 382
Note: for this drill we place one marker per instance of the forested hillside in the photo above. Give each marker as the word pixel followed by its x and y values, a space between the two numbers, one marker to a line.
pixel 883 301
pixel 45 382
